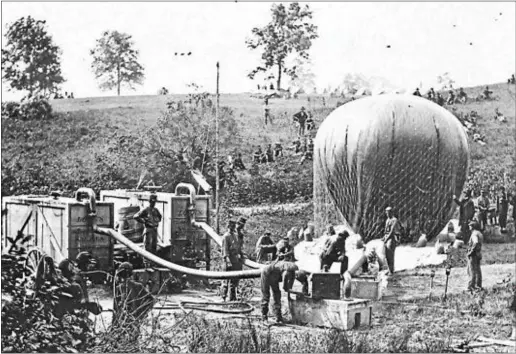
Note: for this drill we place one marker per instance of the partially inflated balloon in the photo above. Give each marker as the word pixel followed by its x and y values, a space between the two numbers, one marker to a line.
pixel 390 150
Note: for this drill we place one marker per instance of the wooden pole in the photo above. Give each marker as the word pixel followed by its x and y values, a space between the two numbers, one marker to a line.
pixel 217 176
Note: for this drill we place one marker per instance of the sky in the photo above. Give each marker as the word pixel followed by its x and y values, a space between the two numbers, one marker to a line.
pixel 425 39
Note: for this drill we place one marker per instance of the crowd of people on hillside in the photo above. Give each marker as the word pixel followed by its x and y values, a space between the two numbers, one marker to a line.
pixel 453 97
pixel 60 96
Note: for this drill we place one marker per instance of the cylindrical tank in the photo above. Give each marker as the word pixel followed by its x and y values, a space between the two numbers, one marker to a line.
pixel 401 151
pixel 129 227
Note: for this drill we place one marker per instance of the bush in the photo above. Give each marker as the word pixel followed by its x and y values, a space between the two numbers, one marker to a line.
pixel 36 109
pixel 29 320
pixel 10 110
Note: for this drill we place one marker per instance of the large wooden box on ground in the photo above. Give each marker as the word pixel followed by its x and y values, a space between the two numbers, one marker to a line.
pixel 60 226
pixel 364 288
pixel 325 285
pixel 330 313
pixel 186 242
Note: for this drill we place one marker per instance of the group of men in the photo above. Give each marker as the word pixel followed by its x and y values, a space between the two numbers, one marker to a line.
pixel 460 97
pixel 269 154
pixel 483 211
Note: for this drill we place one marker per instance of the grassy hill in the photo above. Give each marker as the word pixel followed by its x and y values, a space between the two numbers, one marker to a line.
pixel 69 148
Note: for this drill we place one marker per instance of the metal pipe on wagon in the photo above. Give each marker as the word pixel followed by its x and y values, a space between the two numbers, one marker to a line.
pixel 217 176
pixel 243 274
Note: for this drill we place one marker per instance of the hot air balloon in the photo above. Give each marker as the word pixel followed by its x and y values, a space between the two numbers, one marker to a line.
pixel 390 150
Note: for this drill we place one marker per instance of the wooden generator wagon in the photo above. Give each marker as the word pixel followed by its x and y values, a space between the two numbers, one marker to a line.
pixel 60 227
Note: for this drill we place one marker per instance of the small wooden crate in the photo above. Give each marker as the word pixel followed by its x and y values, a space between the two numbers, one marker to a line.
pixel 328 313
pixel 325 285
pixel 365 288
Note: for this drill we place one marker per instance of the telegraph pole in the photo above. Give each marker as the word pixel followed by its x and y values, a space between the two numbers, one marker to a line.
pixel 217 176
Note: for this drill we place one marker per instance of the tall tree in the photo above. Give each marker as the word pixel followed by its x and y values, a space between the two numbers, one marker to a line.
pixel 115 61
pixel 290 31
pixel 30 59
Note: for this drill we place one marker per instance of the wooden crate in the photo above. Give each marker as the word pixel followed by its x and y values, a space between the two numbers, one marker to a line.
pixel 325 285
pixel 364 288
pixel 329 313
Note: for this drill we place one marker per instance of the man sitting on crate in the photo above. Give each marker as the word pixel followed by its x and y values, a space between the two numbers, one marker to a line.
pixel 272 275
pixel 150 217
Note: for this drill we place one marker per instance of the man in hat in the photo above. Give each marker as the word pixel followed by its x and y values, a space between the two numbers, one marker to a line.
pixel 132 300
pixel 466 213
pixel 474 254
pixel 391 237
pixel 232 254
pixel 431 94
pixel 417 93
pixel 462 96
pixel 285 251
pixel 300 119
pixel 264 247
pixel 335 251
pixel 451 98
pixel 238 163
pixel 150 217
pixel 487 93
pixel 272 275
pixel 502 207
pixel 483 208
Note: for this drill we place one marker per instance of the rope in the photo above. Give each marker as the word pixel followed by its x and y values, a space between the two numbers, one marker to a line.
pixel 245 308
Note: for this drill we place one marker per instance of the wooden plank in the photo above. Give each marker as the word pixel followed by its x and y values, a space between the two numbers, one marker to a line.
pixel 508 343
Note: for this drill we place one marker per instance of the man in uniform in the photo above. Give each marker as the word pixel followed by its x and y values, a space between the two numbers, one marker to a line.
pixel 300 119
pixel 285 252
pixel 266 110
pixel 272 275
pixel 269 154
pixel 483 208
pixel 310 125
pixel 440 99
pixel 466 213
pixel 132 300
pixel 463 97
pixel 502 206
pixel 296 144
pixel 278 150
pixel 257 156
pixel 474 254
pixel 431 94
pixel 391 237
pixel 150 217
pixel 232 254
pixel 487 93
pixel 335 251
pixel 238 163
pixel 309 152
pixel 417 93
pixel 264 247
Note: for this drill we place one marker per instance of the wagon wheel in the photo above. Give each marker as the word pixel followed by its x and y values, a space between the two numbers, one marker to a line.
pixel 31 266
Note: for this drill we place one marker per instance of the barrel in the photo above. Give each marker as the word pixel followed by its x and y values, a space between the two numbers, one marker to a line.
pixel 129 227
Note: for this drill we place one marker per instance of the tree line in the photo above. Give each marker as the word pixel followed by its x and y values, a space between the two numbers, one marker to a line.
pixel 31 60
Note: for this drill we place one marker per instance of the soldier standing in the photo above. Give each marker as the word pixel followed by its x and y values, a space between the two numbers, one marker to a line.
pixel 502 206
pixel 150 217
pixel 266 110
pixel 483 208
pixel 466 213
pixel 391 237
pixel 232 254
pixel 300 119
pixel 278 150
pixel 474 254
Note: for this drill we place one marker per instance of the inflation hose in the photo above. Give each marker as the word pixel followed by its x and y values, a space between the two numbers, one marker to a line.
pixel 242 274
